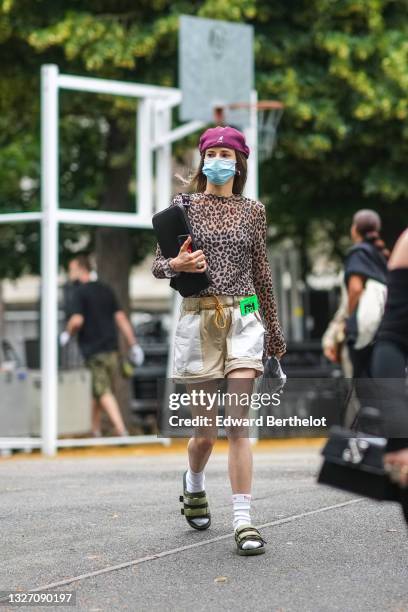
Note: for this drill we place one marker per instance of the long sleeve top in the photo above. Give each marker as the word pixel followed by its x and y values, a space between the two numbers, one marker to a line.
pixel 231 231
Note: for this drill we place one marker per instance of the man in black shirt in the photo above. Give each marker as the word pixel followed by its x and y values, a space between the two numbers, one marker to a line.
pixel 96 316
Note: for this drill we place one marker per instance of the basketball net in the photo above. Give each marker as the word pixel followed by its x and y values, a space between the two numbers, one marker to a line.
pixel 269 114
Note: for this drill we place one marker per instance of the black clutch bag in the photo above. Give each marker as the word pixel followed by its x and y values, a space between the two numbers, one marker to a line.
pixel 170 225
pixel 354 462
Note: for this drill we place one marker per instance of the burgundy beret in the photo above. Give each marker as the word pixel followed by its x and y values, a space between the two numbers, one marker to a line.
pixel 226 136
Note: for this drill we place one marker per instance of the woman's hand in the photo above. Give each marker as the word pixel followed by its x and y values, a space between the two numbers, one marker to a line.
pixel 188 262
pixel 396 464
pixel 331 353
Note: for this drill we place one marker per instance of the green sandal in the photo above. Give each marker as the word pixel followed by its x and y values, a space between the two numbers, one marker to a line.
pixel 245 533
pixel 195 506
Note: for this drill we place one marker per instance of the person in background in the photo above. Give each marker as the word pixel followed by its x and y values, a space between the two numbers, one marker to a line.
pixel 335 350
pixel 96 317
pixel 365 275
pixel 389 368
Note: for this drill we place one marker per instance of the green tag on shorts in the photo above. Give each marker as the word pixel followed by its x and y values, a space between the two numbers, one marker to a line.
pixel 249 304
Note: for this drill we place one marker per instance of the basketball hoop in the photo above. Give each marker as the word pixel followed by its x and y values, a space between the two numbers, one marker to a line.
pixel 269 114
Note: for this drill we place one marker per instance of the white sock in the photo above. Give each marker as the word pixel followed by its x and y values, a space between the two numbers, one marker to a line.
pixel 195 482
pixel 241 504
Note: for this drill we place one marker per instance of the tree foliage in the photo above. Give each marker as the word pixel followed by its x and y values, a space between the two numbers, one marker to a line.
pixel 339 67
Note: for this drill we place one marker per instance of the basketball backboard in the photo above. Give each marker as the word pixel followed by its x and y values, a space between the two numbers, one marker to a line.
pixel 216 67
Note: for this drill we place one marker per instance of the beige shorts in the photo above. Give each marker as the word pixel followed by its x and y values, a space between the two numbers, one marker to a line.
pixel 213 338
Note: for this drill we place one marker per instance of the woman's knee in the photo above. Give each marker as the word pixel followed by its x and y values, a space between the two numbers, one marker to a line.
pixel 204 444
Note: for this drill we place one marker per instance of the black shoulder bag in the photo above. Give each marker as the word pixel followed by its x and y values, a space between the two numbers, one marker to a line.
pixel 354 461
pixel 172 227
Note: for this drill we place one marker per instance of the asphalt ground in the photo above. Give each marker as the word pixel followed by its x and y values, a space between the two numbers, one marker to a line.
pixel 108 527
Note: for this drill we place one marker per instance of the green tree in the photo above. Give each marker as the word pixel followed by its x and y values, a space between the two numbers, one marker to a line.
pixel 339 67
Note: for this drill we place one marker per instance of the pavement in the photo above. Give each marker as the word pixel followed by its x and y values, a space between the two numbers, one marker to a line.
pixel 90 524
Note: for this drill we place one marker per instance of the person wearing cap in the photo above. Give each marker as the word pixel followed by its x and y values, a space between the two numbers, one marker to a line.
pixel 228 329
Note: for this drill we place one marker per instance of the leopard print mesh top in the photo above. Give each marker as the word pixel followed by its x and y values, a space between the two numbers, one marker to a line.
pixel 231 231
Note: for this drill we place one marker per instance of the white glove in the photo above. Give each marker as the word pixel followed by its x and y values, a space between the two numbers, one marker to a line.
pixel 64 338
pixel 136 355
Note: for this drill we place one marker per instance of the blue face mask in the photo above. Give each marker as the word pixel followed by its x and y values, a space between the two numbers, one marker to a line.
pixel 219 171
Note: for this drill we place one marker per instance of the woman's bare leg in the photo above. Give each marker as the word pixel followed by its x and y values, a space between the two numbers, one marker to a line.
pixel 239 451
pixel 241 382
pixel 201 444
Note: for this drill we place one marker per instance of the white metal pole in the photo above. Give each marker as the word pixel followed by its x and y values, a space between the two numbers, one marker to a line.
pixel 49 257
pixel 251 189
pixel 251 134
pixel 102 218
pixel 144 170
pixel 25 217
pixel 169 386
pixel 162 125
pixel 119 88
pixel 178 133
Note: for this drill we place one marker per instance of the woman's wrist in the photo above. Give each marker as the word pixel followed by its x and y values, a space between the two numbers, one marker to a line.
pixel 168 270
pixel 173 264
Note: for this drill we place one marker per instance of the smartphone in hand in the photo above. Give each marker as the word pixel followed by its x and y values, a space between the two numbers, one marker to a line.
pixel 181 240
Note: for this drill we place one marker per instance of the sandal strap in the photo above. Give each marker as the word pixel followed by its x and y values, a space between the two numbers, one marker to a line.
pixel 195 494
pixel 248 532
pixel 195 501
pixel 195 506
pixel 197 512
pixel 252 539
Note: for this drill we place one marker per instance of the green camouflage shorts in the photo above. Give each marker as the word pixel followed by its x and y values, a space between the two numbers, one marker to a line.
pixel 103 367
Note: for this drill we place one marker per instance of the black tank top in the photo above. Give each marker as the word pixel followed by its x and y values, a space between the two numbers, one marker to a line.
pixel 394 325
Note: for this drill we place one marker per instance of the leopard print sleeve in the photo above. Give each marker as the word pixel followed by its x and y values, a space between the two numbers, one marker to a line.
pixel 161 265
pixel 262 278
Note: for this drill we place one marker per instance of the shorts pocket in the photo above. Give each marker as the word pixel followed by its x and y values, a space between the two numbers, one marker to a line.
pixel 188 357
pixel 247 335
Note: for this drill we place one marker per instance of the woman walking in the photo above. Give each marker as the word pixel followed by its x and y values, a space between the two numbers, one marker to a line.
pixel 216 336
pixel 365 275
